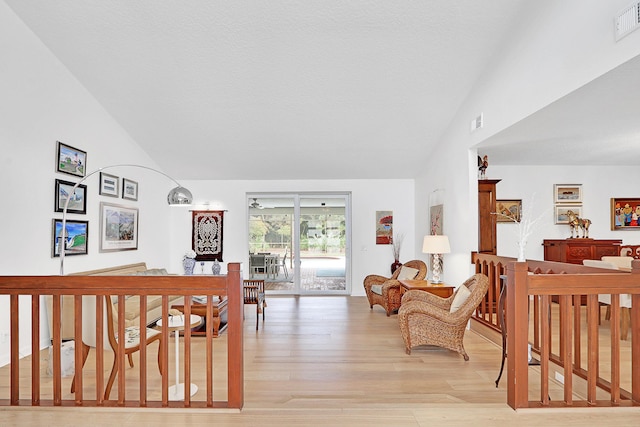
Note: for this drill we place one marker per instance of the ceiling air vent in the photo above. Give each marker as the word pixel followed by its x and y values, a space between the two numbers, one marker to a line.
pixel 476 123
pixel 627 20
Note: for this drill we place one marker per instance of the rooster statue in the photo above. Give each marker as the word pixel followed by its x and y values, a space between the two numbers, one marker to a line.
pixel 483 164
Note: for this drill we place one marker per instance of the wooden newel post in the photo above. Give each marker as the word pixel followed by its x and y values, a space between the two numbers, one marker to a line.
pixel 517 335
pixel 234 331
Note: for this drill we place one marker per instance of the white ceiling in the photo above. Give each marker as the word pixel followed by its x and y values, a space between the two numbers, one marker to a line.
pixel 597 124
pixel 277 89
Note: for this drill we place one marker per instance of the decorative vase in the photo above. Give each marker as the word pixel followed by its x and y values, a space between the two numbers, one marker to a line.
pixel 188 264
pixel 396 265
pixel 215 268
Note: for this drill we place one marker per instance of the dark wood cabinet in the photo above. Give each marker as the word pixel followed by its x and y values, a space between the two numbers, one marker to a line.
pixel 487 239
pixel 575 250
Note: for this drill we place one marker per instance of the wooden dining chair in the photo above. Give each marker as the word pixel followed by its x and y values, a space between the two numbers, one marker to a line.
pixel 254 294
pixel 132 344
pixel 257 264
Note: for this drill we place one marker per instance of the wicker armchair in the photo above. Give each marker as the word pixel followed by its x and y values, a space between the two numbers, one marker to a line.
pixel 425 319
pixel 389 297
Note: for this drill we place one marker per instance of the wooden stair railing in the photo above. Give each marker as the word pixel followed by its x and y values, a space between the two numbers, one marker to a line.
pixel 539 281
pixel 37 287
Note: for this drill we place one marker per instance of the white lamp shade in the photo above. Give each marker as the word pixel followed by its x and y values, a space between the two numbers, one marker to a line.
pixel 436 245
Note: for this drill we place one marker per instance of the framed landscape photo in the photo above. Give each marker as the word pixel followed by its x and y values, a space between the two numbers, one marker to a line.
pixel 76 238
pixel 70 160
pixel 129 189
pixel 109 185
pixel 78 200
pixel 567 193
pixel 561 216
pixel 118 228
pixel 508 211
pixel 625 213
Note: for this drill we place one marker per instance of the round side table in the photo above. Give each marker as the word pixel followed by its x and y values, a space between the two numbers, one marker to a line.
pixel 175 325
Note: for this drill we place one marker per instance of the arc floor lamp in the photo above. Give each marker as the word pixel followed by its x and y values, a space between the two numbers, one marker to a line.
pixel 178 196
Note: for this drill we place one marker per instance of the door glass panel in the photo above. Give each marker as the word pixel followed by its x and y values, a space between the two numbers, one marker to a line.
pixel 323 242
pixel 271 241
pixel 298 243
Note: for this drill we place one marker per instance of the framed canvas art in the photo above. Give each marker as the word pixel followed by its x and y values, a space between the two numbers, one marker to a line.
pixel 384 227
pixel 129 189
pixel 508 211
pixel 75 240
pixel 561 215
pixel 109 185
pixel 567 193
pixel 625 213
pixel 435 219
pixel 77 199
pixel 70 160
pixel 118 228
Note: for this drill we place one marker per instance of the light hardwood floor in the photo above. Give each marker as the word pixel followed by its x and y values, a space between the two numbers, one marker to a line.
pixel 333 361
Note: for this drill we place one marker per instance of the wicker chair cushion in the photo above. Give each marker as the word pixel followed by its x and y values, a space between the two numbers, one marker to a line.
pixel 407 273
pixel 461 296
pixel 376 289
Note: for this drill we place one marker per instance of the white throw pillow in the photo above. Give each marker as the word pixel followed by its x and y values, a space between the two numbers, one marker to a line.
pixel 376 289
pixel 407 273
pixel 461 296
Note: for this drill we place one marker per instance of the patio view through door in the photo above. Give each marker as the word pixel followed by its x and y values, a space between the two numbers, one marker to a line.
pixel 298 243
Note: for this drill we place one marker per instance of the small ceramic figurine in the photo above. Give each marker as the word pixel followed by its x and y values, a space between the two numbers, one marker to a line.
pixel 483 164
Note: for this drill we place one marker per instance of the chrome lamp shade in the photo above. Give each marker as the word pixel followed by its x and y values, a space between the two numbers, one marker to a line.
pixel 179 196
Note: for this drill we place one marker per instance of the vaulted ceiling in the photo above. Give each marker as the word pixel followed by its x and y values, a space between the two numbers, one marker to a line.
pixel 277 89
pixel 318 89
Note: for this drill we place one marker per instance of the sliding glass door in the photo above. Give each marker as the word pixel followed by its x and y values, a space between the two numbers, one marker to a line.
pixel 299 243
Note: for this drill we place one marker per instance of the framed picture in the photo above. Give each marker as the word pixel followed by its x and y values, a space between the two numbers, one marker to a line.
pixel 567 193
pixel 118 228
pixel 436 218
pixel 384 227
pixel 561 216
pixel 75 239
pixel 625 213
pixel 109 185
pixel 129 189
pixel 78 200
pixel 508 211
pixel 71 160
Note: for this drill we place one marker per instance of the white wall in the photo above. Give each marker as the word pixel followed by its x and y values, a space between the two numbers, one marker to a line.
pixel 546 56
pixel 42 102
pixel 367 197
pixel 599 185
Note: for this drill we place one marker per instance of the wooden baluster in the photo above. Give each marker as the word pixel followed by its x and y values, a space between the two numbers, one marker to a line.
pixel 593 315
pixel 35 349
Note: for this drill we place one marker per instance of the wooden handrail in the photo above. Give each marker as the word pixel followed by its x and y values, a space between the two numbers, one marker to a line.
pixel 541 281
pixel 229 286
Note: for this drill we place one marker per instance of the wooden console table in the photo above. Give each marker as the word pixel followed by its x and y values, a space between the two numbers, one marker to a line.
pixel 439 289
pixel 219 314
pixel 573 251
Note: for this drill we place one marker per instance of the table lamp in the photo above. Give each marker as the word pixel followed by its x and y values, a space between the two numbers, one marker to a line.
pixel 436 246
